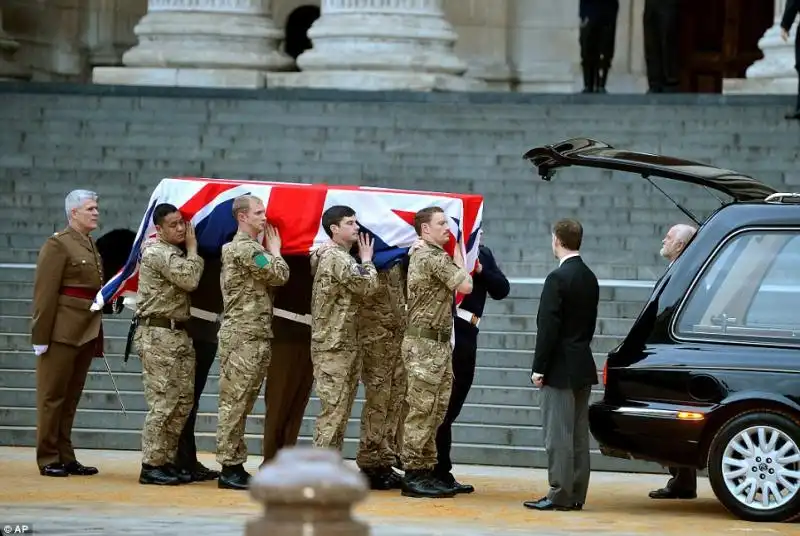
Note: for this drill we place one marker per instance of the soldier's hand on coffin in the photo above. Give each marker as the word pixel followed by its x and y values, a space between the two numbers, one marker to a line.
pixel 365 245
pixel 191 238
pixel 273 239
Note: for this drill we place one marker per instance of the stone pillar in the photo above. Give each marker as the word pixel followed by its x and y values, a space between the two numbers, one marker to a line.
pixel 381 45
pixel 775 72
pixel 307 491
pixel 544 45
pixel 9 69
pixel 201 43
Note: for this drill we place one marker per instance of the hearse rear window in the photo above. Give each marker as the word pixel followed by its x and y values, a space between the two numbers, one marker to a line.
pixel 750 292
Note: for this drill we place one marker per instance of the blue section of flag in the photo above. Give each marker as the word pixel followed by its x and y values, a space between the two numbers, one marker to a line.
pixel 216 229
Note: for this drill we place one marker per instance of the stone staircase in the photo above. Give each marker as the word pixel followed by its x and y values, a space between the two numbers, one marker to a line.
pixel 500 424
pixel 120 141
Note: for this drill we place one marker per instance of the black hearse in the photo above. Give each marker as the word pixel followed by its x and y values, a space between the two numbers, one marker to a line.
pixel 709 374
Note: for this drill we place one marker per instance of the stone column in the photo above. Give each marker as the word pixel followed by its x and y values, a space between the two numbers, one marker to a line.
pixel 544 45
pixel 775 72
pixel 9 69
pixel 307 491
pixel 201 43
pixel 381 45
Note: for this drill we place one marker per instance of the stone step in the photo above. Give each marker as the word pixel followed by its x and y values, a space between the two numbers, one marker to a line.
pixel 106 400
pixel 131 382
pixel 461 453
pixel 505 360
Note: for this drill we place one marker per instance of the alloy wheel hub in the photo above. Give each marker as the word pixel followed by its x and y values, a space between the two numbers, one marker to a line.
pixel 761 467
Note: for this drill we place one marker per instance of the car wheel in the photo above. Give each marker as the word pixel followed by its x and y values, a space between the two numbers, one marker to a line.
pixel 754 466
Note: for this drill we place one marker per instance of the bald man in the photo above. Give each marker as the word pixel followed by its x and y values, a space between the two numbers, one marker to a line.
pixel 683 484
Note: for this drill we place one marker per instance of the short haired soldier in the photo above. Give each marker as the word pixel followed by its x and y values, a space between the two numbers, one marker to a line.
pixel 245 333
pixel 427 354
pixel 339 283
pixel 166 277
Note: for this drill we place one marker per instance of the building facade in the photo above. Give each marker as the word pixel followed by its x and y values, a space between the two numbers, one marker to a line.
pixel 460 45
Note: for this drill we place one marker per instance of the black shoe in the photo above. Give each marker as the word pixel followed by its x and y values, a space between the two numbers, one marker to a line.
pixel 793 115
pixel 382 478
pixel 159 476
pixel 577 506
pixel 201 473
pixel 450 482
pixel 77 468
pixel 669 493
pixel 53 469
pixel 419 484
pixel 546 504
pixel 182 474
pixel 233 477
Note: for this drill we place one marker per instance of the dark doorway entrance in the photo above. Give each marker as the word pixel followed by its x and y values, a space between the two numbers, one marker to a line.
pixel 719 39
pixel 297 25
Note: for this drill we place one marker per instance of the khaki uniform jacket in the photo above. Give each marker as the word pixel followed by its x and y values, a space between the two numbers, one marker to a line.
pixel 67 259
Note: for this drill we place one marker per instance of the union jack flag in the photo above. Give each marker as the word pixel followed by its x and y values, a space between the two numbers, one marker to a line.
pixel 295 209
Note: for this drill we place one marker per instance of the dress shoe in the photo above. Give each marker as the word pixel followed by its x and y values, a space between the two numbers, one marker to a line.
pixel 450 482
pixel 157 475
pixel 577 506
pixel 669 493
pixel 421 485
pixel 77 468
pixel 233 477
pixel 53 469
pixel 182 474
pixel 546 504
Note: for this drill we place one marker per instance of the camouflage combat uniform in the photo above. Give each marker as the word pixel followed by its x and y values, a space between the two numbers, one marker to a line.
pixel 166 277
pixel 380 326
pixel 248 271
pixel 427 354
pixel 339 282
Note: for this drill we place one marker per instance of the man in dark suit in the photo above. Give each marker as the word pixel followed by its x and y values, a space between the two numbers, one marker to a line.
pixel 787 19
pixel 564 369
pixel 597 34
pixel 488 278
pixel 661 26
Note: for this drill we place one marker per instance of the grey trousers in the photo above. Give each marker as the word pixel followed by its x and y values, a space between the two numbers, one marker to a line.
pixel 565 419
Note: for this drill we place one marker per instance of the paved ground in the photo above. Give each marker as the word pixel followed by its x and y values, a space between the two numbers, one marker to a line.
pixel 113 503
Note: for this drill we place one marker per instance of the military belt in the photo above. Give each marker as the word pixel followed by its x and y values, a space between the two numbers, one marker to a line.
pixel 161 322
pixel 425 333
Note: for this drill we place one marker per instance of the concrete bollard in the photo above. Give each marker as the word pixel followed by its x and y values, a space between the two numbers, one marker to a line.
pixel 307 492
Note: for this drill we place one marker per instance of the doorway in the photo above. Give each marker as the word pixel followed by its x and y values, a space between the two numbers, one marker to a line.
pixel 719 39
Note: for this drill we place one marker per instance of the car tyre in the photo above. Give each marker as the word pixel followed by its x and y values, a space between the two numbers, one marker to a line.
pixel 753 452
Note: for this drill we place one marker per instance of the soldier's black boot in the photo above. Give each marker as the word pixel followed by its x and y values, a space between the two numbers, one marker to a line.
pixel 419 484
pixel 382 478
pixel 233 477
pixel 449 482
pixel 159 476
pixel 183 475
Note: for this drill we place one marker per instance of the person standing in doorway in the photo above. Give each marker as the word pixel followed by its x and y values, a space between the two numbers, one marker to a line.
pixel 597 34
pixel 661 45
pixel 789 15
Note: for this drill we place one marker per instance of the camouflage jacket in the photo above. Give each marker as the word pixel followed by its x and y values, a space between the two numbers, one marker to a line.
pixel 339 283
pixel 166 277
pixel 432 279
pixel 248 271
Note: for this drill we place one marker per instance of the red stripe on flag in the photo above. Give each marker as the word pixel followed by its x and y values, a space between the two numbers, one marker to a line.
pixel 296 212
pixel 204 197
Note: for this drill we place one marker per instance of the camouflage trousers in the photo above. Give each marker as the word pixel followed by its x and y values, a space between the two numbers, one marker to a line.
pixel 336 376
pixel 243 364
pixel 383 376
pixel 429 368
pixel 168 364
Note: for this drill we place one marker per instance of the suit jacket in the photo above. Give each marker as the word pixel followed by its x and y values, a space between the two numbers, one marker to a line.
pixel 565 326
pixel 67 259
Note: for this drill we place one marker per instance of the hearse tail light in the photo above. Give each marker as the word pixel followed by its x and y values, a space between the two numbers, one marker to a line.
pixel 690 416
pixel 605 372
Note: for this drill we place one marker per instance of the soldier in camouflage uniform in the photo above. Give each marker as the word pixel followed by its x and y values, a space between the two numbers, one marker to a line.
pixel 166 277
pixel 245 333
pixel 339 284
pixel 427 354
pixel 380 325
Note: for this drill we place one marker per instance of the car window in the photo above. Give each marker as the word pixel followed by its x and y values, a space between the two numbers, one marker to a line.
pixel 749 292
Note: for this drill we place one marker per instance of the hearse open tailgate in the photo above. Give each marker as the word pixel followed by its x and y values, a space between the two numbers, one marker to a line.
pixel 592 153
